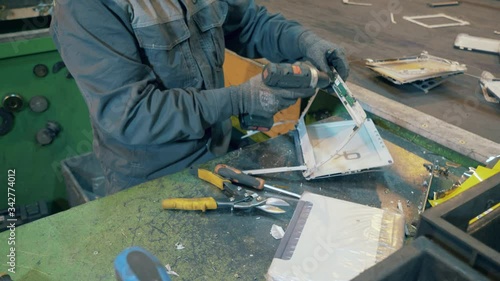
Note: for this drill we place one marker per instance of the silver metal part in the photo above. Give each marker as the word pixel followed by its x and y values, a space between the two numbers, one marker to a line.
pixel 270 187
pixel 467 42
pixel 277 202
pixel 454 21
pixel 392 18
pixel 443 4
pixel 423 71
pixel 363 151
pixel 271 209
pixel 314 77
pixel 38 104
pixel 490 86
pixel 274 170
pixel 356 3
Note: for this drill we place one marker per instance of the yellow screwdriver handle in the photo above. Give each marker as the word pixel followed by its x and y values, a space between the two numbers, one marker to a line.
pixel 195 204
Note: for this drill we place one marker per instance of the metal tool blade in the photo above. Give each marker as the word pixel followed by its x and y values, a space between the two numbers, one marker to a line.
pixel 271 209
pixel 276 202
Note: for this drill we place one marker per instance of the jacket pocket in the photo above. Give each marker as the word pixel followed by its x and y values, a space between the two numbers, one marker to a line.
pixel 209 21
pixel 164 36
pixel 167 51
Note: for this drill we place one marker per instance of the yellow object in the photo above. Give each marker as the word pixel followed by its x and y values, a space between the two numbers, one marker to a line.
pixel 212 178
pixel 481 174
pixel 200 204
pixel 483 214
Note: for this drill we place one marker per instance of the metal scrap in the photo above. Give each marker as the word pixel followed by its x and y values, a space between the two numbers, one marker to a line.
pixel 170 271
pixel 443 4
pixel 392 18
pixel 277 231
pixel 179 246
pixel 355 3
pixel 454 21
pixel 490 86
pixel 474 43
pixel 423 71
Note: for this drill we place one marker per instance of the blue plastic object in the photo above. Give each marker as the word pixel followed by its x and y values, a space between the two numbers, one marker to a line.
pixel 137 264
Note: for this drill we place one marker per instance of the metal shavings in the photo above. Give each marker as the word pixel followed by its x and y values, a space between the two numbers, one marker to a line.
pixel 179 246
pixel 170 271
pixel 277 232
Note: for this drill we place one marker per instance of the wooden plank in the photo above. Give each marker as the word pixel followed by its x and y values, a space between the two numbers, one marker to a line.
pixel 448 135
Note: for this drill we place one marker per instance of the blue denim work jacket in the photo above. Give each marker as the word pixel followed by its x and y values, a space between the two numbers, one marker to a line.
pixel 144 68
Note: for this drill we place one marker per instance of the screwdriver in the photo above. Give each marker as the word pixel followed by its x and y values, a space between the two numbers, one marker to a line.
pixel 237 176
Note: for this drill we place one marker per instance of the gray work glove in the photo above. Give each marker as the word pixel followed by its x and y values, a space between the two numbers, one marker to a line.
pixel 255 98
pixel 316 50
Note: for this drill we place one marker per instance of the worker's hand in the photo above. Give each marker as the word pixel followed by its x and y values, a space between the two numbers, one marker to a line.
pixel 255 98
pixel 316 50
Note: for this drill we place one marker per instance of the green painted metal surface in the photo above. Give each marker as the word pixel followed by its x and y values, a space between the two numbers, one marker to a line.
pixel 38 176
pixel 82 243
pixel 26 46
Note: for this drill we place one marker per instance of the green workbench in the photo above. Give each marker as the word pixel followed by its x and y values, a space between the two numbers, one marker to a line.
pixel 82 243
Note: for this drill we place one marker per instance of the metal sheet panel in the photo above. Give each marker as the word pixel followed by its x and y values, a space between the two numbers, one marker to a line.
pixel 365 151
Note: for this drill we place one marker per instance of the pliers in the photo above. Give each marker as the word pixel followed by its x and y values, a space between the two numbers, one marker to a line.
pixel 238 198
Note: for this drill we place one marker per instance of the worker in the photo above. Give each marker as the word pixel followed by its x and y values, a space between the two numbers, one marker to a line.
pixel 150 72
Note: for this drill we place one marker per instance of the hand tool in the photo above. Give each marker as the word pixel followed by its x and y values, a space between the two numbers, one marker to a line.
pixel 300 76
pixel 239 198
pixel 237 176
pixel 303 75
pixel 137 264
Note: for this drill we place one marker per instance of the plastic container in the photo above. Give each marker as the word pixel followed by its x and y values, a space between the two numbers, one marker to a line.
pixel 477 244
pixel 84 179
pixel 422 260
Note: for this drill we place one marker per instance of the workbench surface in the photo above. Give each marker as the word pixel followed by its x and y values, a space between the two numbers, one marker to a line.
pixel 82 243
pixel 367 32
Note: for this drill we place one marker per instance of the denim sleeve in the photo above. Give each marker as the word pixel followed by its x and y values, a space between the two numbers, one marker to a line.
pixel 252 32
pixel 99 48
